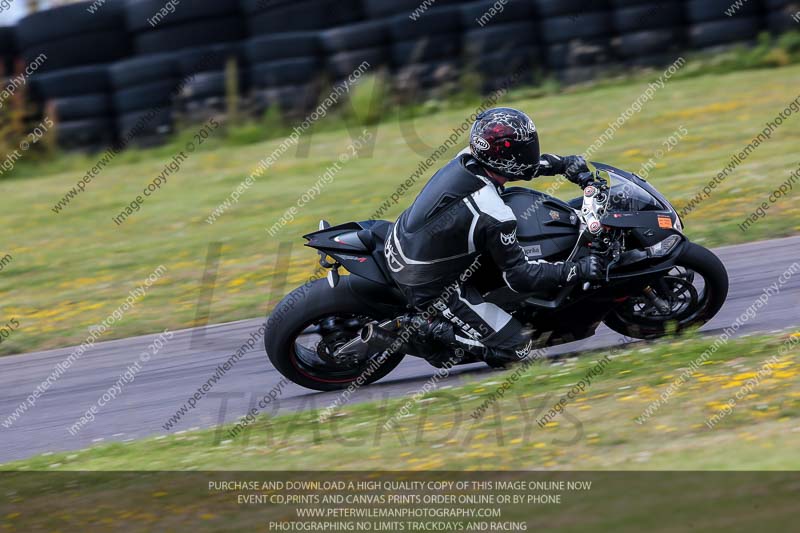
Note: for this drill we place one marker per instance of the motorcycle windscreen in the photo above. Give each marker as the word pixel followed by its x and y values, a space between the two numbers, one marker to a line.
pixel 626 197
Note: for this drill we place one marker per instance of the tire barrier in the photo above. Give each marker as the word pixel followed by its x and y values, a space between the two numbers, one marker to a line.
pixel 142 84
pixel 70 36
pixel 169 25
pixel 276 16
pixel 346 47
pixel 720 22
pixel 282 69
pixel 78 98
pixel 426 51
pixel 782 15
pixel 109 67
pixel 8 50
pixel 205 71
pixel 648 33
pixel 577 36
pixel 497 46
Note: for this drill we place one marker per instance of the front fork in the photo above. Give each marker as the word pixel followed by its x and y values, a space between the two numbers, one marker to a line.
pixel 662 306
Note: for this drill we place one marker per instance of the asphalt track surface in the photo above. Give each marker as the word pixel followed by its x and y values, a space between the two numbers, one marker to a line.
pixel 182 367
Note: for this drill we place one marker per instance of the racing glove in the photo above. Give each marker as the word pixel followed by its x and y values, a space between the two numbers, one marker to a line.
pixel 550 165
pixel 589 268
pixel 577 171
pixel 573 167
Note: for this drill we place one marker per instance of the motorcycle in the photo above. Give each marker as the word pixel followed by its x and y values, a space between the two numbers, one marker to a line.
pixel 347 330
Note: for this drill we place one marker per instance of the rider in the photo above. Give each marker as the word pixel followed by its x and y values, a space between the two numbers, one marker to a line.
pixel 459 216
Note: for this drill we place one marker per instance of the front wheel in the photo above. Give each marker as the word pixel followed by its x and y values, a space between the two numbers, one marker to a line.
pixel 307 328
pixel 694 291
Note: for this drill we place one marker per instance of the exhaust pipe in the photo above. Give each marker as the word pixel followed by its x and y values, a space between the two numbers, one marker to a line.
pixel 383 340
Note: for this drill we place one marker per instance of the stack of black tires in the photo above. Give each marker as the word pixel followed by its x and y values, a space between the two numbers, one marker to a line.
pixel 144 89
pixel 194 24
pixel 649 33
pixel 71 48
pixel 284 61
pixel 284 71
pixel 191 45
pixel 782 15
pixel 71 36
pixel 426 51
pixel 277 16
pixel 8 51
pixel 348 47
pixel 124 70
pixel 712 23
pixel 503 48
pixel 578 37
pixel 209 74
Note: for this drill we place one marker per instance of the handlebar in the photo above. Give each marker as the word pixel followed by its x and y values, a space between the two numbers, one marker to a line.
pixel 593 180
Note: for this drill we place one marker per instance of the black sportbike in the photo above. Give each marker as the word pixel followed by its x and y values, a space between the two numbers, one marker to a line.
pixel 340 330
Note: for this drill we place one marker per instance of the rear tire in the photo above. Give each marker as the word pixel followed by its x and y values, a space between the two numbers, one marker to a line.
pixel 299 309
pixel 703 262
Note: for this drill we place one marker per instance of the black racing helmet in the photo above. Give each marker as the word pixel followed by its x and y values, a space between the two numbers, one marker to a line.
pixel 505 141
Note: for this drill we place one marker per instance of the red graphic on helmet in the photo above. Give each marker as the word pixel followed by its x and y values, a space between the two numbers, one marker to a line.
pixel 506 142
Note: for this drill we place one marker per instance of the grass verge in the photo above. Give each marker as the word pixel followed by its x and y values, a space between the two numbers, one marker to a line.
pixel 601 427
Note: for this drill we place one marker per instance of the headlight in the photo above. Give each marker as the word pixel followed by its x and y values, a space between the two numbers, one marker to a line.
pixel 664 247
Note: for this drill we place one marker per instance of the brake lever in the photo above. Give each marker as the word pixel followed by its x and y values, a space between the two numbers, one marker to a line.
pixel 600 179
pixel 611 264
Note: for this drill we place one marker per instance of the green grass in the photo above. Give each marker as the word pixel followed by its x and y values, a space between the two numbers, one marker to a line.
pixel 100 488
pixel 598 432
pixel 71 270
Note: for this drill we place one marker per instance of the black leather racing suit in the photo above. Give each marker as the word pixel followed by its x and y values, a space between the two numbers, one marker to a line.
pixel 432 246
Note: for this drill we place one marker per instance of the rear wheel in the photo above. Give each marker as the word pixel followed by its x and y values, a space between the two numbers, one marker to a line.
pixel 311 327
pixel 688 296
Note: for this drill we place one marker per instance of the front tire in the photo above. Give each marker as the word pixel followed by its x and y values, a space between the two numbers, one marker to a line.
pixel 316 306
pixel 704 306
